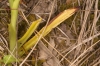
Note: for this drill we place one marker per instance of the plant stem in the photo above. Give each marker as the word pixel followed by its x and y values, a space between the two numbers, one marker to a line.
pixel 12 29
pixel 12 26
pixel 11 3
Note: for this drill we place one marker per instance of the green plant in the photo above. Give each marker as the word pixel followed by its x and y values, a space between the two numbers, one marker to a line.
pixel 46 29
pixel 12 30
pixel 22 42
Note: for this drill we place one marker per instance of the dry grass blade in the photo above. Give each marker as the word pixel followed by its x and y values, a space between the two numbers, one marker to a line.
pixel 86 40
pixel 75 42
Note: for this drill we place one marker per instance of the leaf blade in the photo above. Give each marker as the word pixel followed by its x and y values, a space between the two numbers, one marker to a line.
pixel 29 32
pixel 46 29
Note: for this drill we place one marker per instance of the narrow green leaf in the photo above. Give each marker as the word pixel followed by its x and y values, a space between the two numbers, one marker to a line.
pixel 58 19
pixel 29 32
pixel 46 29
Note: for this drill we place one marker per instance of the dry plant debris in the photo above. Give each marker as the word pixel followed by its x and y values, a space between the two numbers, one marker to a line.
pixel 76 42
